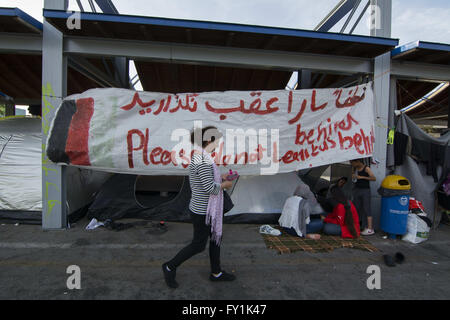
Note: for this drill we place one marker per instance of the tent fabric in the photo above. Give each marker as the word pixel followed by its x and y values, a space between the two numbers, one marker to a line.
pixel 263 194
pixel 21 174
pixel 117 200
pixel 257 199
pixel 20 164
pixel 21 217
pixel 423 186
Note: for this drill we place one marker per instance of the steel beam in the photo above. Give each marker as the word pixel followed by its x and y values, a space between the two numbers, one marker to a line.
pixel 420 71
pixel 338 12
pixel 20 43
pixel 107 6
pixel 360 17
pixel 350 16
pixel 213 55
pixel 304 76
pixel 90 71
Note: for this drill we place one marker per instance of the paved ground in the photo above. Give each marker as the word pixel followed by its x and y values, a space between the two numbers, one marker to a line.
pixel 127 265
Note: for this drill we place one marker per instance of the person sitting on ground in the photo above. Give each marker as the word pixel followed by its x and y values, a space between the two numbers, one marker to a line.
pixel 297 217
pixel 340 184
pixel 344 220
pixel 324 201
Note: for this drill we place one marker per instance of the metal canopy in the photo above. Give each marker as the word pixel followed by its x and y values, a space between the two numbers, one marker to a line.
pixel 173 55
pixel 21 78
pixel 422 61
pixel 128 27
pixel 431 104
pixel 424 52
pixel 17 21
pixel 21 60
pixel 435 108
pixel 437 57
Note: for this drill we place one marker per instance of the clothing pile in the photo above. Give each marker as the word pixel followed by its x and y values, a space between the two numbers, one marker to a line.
pixel 444 194
pixel 431 154
pixel 422 158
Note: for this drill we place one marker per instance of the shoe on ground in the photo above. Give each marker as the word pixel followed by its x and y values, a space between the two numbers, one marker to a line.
pixel 389 260
pixel 169 276
pixel 399 258
pixel 225 276
pixel 367 232
pixel 266 229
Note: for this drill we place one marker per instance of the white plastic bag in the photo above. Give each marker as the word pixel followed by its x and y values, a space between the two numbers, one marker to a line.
pixel 417 229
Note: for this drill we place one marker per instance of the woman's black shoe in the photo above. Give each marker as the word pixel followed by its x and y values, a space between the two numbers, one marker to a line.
pixel 169 276
pixel 399 257
pixel 223 277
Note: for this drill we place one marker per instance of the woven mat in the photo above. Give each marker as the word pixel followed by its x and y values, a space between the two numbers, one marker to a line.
pixel 288 244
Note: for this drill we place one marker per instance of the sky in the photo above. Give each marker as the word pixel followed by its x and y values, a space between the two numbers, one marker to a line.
pixel 412 20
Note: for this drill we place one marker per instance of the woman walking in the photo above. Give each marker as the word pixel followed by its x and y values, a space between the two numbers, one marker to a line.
pixel 362 175
pixel 205 207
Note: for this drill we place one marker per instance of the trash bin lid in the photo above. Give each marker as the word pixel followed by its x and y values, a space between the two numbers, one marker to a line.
pixel 395 182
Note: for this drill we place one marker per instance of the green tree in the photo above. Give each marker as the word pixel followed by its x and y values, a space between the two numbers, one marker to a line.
pixel 2 110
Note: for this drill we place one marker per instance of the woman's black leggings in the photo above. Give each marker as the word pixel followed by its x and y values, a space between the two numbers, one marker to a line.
pixel 201 234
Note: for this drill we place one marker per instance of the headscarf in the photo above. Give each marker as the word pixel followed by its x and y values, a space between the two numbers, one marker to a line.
pixel 304 191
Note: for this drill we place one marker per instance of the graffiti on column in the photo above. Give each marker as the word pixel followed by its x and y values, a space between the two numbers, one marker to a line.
pixel 47 91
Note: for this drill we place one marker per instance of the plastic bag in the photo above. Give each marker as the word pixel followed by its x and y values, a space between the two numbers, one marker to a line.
pixel 417 229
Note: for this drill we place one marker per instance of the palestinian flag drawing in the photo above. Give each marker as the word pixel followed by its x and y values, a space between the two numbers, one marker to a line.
pixel 69 136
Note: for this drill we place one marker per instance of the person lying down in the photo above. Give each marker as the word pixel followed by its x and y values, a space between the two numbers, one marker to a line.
pixel 301 214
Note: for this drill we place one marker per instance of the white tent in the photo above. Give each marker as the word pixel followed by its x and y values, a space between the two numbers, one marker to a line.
pixel 20 164
pixel 21 173
pixel 261 198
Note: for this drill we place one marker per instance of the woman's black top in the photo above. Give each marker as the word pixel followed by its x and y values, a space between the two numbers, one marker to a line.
pixel 362 183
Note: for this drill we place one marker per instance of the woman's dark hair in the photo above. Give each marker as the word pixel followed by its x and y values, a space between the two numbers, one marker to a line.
pixel 205 135
pixel 343 178
pixel 358 160
pixel 340 197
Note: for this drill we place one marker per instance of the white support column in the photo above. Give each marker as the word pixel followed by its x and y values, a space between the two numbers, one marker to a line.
pixel 54 88
pixel 381 91
pixel 381 21
pixel 391 120
pixel 381 18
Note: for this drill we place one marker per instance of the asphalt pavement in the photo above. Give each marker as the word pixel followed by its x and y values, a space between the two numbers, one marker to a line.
pixel 106 264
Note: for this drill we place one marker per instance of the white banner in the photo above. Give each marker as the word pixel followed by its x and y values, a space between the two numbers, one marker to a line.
pixel 264 132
